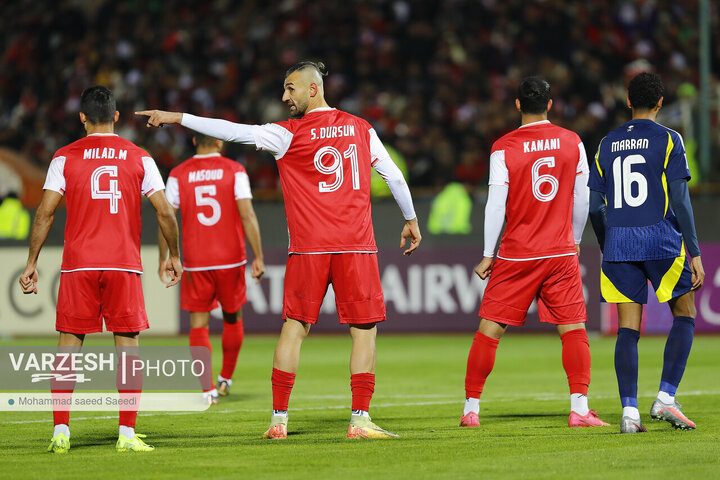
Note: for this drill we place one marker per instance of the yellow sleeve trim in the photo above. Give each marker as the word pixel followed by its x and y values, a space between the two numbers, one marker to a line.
pixel 597 156
pixel 670 146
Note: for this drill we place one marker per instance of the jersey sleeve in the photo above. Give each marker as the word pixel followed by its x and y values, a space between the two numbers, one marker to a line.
pixel 582 166
pixel 386 168
pixel 152 180
pixel 172 191
pixel 677 163
pixel 499 174
pixel 273 138
pixel 597 178
pixel 55 179
pixel 242 185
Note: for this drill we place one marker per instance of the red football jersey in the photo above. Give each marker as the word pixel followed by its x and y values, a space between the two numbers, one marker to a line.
pixel 205 188
pixel 102 177
pixel 539 162
pixel 325 178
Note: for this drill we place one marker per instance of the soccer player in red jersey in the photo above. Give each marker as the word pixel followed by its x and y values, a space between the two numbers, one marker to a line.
pixel 102 177
pixel 324 157
pixel 213 195
pixel 538 184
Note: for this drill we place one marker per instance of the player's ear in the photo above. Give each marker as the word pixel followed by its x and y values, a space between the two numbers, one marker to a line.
pixel 659 104
pixel 116 116
pixel 83 118
pixel 218 144
pixel 627 99
pixel 313 88
pixel 517 105
pixel 549 105
pixel 194 142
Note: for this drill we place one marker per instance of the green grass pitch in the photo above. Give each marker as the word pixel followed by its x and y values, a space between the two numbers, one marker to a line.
pixel 419 395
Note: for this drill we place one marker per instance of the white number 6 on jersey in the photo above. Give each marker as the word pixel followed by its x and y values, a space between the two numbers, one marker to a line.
pixel 202 200
pixel 538 179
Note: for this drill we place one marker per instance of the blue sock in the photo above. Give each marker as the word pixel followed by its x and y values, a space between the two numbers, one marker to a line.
pixel 626 365
pixel 677 351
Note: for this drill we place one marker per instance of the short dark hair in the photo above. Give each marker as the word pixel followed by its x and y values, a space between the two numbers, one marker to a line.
pixel 319 66
pixel 204 140
pixel 98 104
pixel 645 91
pixel 534 95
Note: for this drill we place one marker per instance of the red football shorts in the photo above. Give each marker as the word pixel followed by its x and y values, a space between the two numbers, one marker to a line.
pixel 88 296
pixel 200 290
pixel 355 278
pixel 555 282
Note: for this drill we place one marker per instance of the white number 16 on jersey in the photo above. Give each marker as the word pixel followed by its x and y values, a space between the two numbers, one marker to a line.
pixel 337 167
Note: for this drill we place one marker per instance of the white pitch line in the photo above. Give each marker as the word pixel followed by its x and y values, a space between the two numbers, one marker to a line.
pixel 240 410
pixel 453 399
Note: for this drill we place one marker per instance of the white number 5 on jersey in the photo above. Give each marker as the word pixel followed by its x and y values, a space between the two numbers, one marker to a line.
pixel 204 197
pixel 538 180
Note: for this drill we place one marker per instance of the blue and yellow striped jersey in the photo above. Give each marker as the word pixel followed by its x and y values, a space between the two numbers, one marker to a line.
pixel 633 167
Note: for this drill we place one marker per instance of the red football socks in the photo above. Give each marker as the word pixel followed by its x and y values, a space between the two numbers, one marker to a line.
pixel 129 391
pixel 232 339
pixel 480 363
pixel 576 360
pixel 199 337
pixel 362 386
pixel 61 392
pixel 282 384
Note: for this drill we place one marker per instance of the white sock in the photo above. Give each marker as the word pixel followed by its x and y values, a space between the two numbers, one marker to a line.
pixel 210 393
pixel 61 428
pixel 280 413
pixel 360 413
pixel 631 412
pixel 579 404
pixel 223 379
pixel 127 432
pixel 666 398
pixel 471 405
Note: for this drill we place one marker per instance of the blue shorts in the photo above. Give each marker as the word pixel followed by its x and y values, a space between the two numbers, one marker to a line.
pixel 625 282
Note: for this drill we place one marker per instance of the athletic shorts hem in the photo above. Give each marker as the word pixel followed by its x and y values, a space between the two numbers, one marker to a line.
pixel 78 330
pixel 129 329
pixel 362 321
pixel 679 294
pixel 300 318
pixel 504 321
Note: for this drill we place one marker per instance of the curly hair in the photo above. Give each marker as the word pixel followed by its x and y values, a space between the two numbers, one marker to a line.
pixel 645 91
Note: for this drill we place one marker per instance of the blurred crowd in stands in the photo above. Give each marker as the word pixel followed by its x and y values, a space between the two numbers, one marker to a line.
pixel 436 79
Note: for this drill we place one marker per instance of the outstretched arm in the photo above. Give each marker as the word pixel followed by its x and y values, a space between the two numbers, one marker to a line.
pixel 270 137
pixel 680 200
pixel 216 128
pixel 44 217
